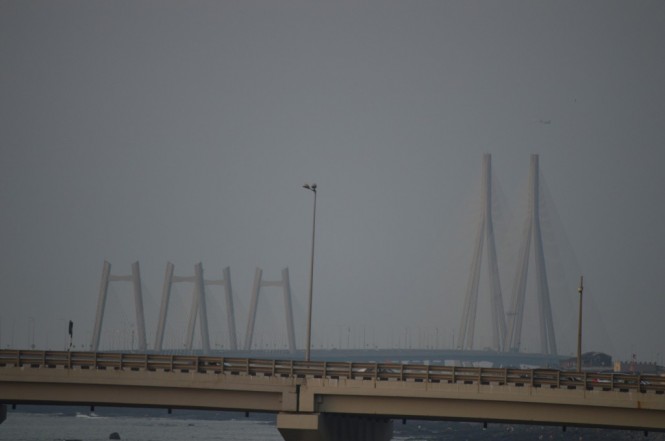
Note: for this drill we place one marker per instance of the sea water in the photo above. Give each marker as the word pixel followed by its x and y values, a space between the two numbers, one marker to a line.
pixel 92 427
pixel 49 424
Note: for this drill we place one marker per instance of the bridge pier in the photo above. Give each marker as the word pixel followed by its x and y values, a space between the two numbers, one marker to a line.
pixel 3 412
pixel 333 427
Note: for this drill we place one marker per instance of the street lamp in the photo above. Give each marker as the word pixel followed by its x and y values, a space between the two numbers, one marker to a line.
pixel 311 188
pixel 579 328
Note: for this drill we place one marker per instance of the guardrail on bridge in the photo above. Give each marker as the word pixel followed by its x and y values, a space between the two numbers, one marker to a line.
pixel 334 370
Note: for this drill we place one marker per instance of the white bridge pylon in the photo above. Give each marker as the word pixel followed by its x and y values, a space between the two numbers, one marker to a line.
pixel 107 277
pixel 485 230
pixel 198 309
pixel 251 319
pixel 532 234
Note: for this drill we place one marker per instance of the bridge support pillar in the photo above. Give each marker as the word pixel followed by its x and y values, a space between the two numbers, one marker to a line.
pixel 3 412
pixel 333 427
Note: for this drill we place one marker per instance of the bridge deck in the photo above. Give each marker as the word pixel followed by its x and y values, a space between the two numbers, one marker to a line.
pixel 389 390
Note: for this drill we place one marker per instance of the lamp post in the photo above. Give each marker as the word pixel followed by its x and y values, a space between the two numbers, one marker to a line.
pixel 579 328
pixel 311 188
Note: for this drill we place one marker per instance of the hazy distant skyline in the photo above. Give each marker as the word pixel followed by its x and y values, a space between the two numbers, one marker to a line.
pixel 183 132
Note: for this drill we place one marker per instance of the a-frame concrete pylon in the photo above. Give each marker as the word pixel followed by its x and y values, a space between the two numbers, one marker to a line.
pixel 107 277
pixel 286 288
pixel 532 233
pixel 198 309
pixel 485 230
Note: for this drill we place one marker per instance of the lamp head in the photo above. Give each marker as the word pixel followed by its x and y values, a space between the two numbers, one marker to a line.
pixel 310 187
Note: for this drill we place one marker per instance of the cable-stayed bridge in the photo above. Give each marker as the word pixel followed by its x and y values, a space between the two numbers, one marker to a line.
pixel 347 394
pixel 506 324
pixel 507 327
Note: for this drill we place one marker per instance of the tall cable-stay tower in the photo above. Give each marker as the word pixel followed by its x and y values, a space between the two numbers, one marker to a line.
pixel 532 233
pixel 485 230
pixel 107 277
pixel 259 283
pixel 198 309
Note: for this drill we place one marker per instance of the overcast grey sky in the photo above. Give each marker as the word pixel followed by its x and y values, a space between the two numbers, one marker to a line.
pixel 183 131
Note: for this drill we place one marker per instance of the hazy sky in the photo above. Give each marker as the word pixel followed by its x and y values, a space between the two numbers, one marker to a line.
pixel 183 131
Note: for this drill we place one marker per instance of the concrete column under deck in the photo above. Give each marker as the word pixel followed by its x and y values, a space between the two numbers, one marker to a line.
pixel 333 427
pixel 3 412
